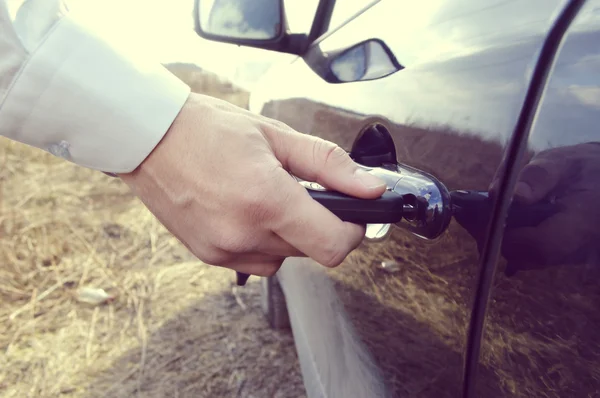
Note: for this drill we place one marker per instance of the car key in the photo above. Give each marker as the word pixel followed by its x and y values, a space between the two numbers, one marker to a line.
pixel 470 208
pixel 477 205
pixel 387 209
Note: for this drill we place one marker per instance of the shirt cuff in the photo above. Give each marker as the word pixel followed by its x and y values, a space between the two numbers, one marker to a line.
pixel 85 99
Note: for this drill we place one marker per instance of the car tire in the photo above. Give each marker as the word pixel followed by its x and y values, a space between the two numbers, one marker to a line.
pixel 273 303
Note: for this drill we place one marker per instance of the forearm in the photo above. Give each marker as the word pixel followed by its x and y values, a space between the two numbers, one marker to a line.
pixel 69 89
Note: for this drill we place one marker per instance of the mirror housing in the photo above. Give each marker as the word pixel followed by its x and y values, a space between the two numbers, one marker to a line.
pixel 257 23
pixel 370 59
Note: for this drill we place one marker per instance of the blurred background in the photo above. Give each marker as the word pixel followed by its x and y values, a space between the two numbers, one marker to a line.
pixel 164 29
pixel 97 299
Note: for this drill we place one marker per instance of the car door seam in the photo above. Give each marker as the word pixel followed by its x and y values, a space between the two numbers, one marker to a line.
pixel 544 65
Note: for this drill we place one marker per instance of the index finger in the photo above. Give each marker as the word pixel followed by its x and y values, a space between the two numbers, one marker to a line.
pixel 312 229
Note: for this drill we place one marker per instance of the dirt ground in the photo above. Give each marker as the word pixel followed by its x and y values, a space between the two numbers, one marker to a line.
pixel 169 325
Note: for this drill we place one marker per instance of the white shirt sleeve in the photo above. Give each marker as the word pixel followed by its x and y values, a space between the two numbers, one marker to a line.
pixel 71 89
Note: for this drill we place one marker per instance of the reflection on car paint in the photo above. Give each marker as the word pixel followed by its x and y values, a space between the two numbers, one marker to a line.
pixel 542 335
pixel 450 111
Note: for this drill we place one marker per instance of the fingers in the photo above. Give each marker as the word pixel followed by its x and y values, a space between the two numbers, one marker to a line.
pixel 313 229
pixel 271 249
pixel 538 179
pixel 254 263
pixel 275 245
pixel 314 159
pixel 258 268
pixel 551 242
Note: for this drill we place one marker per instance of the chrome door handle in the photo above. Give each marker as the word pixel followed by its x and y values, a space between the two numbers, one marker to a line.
pixel 413 200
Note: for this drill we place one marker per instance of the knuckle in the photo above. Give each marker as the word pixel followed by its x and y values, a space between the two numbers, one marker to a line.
pixel 333 256
pixel 268 270
pixel 275 126
pixel 534 172
pixel 264 214
pixel 330 153
pixel 234 240
pixel 280 125
pixel 260 204
pixel 214 257
pixel 339 156
pixel 252 199
pixel 321 150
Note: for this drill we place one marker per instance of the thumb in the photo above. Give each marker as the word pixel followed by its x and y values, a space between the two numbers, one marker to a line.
pixel 538 179
pixel 314 159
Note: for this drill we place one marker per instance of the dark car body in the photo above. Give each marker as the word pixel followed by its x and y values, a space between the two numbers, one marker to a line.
pixel 481 89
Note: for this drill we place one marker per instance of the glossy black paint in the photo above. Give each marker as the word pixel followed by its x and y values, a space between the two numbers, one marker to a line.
pixel 506 183
pixel 555 265
pixel 425 145
pixel 475 82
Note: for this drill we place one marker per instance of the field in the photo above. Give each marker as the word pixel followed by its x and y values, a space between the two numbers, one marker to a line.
pixel 164 324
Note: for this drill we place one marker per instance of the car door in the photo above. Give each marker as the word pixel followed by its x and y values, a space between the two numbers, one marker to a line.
pixel 393 319
pixel 543 329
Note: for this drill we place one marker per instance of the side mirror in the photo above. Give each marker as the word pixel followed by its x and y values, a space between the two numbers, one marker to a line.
pixel 369 60
pixel 252 22
pixel 257 23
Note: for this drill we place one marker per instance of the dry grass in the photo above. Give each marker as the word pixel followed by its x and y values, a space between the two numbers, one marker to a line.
pixel 176 326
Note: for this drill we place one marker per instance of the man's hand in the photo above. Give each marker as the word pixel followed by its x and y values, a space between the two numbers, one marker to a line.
pixel 567 176
pixel 220 182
